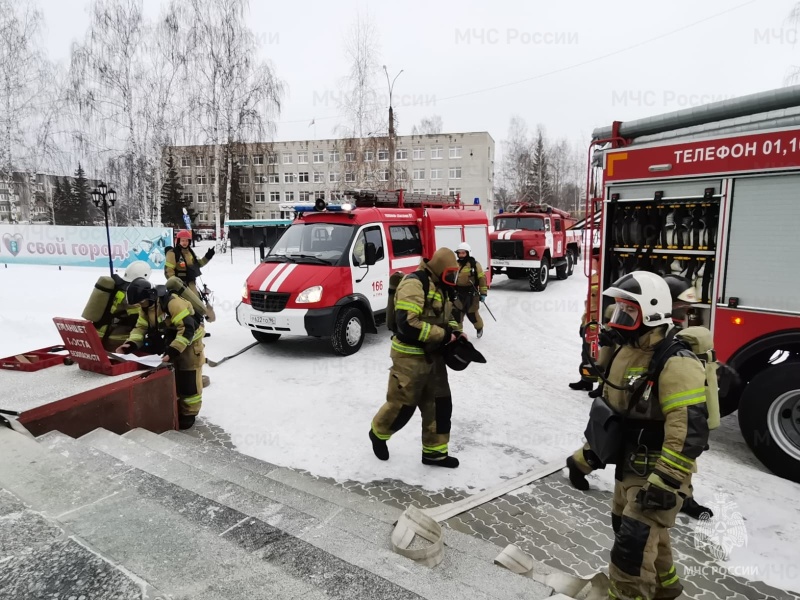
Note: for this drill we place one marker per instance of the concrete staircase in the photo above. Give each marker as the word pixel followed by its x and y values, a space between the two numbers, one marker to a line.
pixel 146 516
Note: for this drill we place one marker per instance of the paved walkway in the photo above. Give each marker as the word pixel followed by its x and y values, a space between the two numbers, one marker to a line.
pixel 559 526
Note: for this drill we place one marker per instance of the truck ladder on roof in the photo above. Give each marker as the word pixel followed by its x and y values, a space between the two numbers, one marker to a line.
pixel 399 199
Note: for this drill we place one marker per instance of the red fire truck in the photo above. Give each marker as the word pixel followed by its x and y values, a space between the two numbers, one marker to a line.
pixel 531 239
pixel 713 193
pixel 328 274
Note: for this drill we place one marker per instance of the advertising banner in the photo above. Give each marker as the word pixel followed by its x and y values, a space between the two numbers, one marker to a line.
pixel 82 246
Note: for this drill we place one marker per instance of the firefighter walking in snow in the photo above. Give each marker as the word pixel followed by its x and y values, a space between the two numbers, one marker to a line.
pixel 664 429
pixel 418 376
pixel 181 261
pixel 471 288
pixel 165 312
pixel 584 460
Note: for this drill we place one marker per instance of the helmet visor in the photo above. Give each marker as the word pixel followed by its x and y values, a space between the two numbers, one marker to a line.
pixel 450 276
pixel 627 315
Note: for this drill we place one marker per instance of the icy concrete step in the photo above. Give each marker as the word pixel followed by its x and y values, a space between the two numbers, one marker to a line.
pixel 356 538
pixel 185 545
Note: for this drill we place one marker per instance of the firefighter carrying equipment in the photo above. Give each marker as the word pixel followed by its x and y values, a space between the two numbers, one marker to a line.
pixel 394 281
pixel 458 354
pixel 175 285
pixel 100 301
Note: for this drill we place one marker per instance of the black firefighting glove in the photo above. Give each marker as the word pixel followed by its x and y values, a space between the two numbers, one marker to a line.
pixel 126 348
pixel 609 337
pixel 173 353
pixel 210 253
pixel 657 494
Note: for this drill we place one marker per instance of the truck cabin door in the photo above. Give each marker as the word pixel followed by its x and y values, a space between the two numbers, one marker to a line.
pixel 371 281
pixel 559 236
pixel 548 234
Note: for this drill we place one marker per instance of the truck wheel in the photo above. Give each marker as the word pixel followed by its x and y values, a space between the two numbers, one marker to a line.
pixel 769 419
pixel 538 278
pixel 562 271
pixel 571 260
pixel 265 338
pixel 348 331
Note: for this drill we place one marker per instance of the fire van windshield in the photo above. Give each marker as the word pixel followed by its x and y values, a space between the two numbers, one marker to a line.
pixel 526 223
pixel 318 243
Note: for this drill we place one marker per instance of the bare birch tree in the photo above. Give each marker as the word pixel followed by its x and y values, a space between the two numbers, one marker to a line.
pixel 238 96
pixel 428 125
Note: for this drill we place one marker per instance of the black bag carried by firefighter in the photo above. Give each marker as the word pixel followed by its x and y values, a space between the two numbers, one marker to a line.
pixel 394 281
pixel 458 354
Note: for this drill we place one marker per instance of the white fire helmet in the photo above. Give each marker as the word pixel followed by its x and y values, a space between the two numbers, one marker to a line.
pixel 464 246
pixel 643 298
pixel 136 269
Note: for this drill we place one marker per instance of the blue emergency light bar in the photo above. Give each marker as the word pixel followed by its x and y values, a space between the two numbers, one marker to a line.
pixel 307 208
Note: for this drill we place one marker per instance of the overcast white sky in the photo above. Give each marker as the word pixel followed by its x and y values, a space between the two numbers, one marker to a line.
pixel 571 66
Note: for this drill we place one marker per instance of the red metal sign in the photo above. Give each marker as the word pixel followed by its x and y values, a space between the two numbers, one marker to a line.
pixel 81 339
pixel 756 152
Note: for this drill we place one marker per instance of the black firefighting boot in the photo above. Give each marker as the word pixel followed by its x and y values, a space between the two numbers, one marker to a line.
pixel 379 446
pixel 693 509
pixel 206 381
pixel 185 421
pixel 449 462
pixel 583 386
pixel 480 333
pixel 577 477
pixel 596 393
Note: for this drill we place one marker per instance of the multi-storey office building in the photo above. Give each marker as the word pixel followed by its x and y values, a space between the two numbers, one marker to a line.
pixel 272 174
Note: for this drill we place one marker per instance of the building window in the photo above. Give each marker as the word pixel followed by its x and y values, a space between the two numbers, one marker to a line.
pixel 247 198
pixel 319 156
pixel 244 179
pixel 350 177
pixel 369 155
pixel 199 161
pixel 188 198
pixel 454 191
pixel 383 175
pixel 401 154
pixel 319 177
pixel 383 155
pixel 186 180
pixel 319 195
pixel 213 179
pixel 436 153
pixel 273 179
pixel 288 196
pixel 334 177
pixel 455 172
pixel 186 161
pixel 402 175
pixel 288 178
pixel 260 196
pixel 258 159
pixel 418 191
pixel 201 180
pixel 272 159
pixel 243 159
pixel 302 158
pixel 287 159
pixel 274 196
pixel 334 156
pixel 419 174
pixel 304 196
pixel 436 173
pixel 455 151
pixel 302 177
pixel 349 157
pixel 201 198
pixel 437 191
pixel 419 153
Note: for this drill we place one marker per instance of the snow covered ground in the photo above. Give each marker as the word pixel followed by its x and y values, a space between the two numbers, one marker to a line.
pixel 296 404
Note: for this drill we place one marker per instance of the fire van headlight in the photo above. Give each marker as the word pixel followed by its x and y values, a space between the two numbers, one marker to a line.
pixel 532 252
pixel 309 295
pixel 244 292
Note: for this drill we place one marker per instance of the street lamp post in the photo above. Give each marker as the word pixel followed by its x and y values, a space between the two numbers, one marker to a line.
pixel 103 198
pixel 391 126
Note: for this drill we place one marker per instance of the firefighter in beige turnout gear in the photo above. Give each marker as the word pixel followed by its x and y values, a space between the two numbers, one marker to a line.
pixel 471 288
pixel 665 431
pixel 168 313
pixel 418 376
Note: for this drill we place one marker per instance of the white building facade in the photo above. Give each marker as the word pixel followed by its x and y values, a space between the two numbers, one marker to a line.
pixel 301 171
